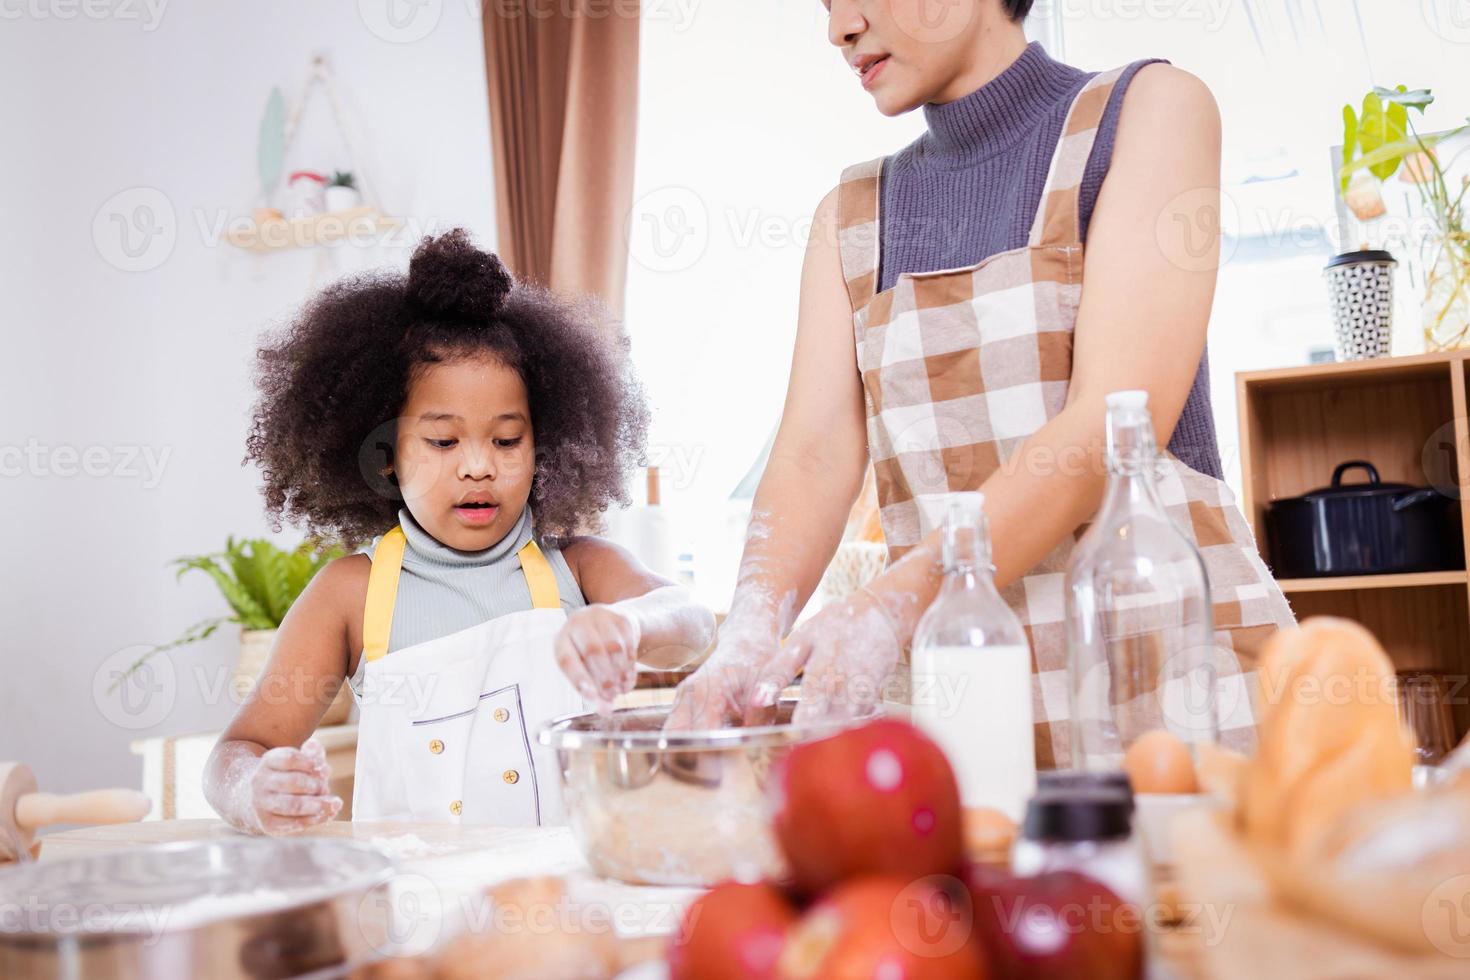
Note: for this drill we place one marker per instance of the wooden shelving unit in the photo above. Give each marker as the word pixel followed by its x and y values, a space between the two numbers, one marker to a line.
pixel 359 223
pixel 1406 415
pixel 1294 586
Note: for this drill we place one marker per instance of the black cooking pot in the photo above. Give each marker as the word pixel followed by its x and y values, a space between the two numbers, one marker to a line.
pixel 1372 528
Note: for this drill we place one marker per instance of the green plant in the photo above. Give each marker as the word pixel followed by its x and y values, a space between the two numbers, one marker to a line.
pixel 342 178
pixel 257 579
pixel 1383 139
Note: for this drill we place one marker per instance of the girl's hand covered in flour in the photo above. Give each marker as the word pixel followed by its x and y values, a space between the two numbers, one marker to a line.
pixel 598 651
pixel 288 790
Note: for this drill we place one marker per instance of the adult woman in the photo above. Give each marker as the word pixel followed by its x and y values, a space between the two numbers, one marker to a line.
pixel 991 372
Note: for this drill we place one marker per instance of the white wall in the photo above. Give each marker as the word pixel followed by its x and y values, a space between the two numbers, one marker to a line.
pixel 164 111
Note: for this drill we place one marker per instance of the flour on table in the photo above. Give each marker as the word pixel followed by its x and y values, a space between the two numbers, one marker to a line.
pixel 402 846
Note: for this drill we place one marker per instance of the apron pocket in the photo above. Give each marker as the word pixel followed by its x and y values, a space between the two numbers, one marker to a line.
pixel 433 765
pixel 502 785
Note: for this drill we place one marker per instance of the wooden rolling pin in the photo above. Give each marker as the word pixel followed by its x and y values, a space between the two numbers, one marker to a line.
pixel 23 810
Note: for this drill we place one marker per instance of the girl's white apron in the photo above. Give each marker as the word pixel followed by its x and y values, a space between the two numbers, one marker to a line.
pixel 448 727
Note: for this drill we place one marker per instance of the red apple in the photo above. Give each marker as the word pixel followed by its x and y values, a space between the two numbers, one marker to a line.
pixel 884 926
pixel 880 799
pixel 732 931
pixel 1056 926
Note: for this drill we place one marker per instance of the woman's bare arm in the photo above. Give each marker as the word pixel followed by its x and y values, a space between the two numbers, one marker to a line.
pixel 811 480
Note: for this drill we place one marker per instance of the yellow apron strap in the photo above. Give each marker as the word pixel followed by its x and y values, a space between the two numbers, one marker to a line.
pixel 382 594
pixel 544 593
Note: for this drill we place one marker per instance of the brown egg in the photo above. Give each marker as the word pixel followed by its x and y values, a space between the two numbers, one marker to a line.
pixel 1160 763
pixel 989 835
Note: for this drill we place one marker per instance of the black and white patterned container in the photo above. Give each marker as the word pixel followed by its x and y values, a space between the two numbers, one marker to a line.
pixel 1361 289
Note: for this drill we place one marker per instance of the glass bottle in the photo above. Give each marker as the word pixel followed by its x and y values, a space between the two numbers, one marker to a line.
pixel 1084 829
pixel 1140 624
pixel 971 671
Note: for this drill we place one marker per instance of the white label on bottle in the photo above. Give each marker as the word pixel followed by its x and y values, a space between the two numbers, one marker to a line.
pixel 975 702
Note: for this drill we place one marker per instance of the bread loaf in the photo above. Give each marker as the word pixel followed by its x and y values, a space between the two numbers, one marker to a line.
pixel 1330 736
pixel 1397 870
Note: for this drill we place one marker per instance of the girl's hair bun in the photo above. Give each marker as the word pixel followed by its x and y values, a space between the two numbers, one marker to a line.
pixel 448 277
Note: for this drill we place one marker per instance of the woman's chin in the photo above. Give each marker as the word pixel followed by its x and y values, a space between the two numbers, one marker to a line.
pixel 892 102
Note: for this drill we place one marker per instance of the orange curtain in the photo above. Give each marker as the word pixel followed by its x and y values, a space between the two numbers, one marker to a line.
pixel 563 80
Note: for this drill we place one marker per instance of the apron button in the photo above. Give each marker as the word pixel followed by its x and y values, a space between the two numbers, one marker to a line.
pixel 436 746
pixel 501 714
pixel 511 776
pixel 456 808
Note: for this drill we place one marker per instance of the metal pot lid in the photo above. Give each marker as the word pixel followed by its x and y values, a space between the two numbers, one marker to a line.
pixel 170 887
pixel 1373 487
pixel 1361 258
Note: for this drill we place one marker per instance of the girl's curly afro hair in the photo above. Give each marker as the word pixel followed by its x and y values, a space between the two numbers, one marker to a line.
pixel 333 384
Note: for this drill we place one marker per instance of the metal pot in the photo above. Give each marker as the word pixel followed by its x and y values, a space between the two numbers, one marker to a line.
pixel 1372 528
pixel 659 808
pixel 253 907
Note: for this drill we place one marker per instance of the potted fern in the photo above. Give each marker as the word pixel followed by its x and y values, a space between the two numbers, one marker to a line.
pixel 260 582
pixel 1382 140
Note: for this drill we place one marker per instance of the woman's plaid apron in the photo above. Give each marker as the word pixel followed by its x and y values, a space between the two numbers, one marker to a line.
pixel 960 366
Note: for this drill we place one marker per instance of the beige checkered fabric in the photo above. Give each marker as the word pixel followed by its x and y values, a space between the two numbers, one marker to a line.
pixel 960 366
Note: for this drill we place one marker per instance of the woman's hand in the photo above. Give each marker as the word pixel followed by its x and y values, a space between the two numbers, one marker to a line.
pixel 848 650
pixel 737 685
pixel 598 651
pixel 288 790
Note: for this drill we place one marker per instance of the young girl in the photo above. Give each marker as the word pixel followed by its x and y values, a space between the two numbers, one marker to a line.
pixel 475 425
